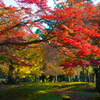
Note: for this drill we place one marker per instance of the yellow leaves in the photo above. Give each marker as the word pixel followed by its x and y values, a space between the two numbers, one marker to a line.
pixel 24 71
pixel 4 68
pixel 90 69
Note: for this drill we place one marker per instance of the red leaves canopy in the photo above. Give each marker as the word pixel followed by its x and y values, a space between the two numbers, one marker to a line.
pixel 70 26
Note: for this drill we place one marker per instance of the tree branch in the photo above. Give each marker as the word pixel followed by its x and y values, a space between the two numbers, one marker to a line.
pixel 25 43
pixel 22 43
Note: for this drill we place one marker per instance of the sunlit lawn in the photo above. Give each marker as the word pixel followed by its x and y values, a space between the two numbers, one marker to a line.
pixel 49 91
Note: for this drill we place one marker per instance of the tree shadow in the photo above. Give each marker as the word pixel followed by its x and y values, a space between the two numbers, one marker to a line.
pixel 30 92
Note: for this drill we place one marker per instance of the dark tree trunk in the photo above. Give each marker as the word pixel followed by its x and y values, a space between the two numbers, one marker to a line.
pixel 10 79
pixel 73 78
pixel 98 80
pixel 69 80
pixel 88 75
pixel 43 77
pixel 94 77
pixel 35 78
pixel 97 73
pixel 17 78
pixel 56 79
pixel 78 76
pixel 88 78
pixel 50 78
pixel 84 77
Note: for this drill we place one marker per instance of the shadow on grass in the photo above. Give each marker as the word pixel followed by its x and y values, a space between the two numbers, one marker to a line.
pixel 47 91
pixel 79 90
pixel 29 92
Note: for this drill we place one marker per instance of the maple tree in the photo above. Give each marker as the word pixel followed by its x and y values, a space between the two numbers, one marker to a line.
pixel 70 29
pixel 58 20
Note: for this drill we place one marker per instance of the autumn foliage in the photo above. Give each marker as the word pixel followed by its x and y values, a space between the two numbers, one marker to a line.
pixel 70 29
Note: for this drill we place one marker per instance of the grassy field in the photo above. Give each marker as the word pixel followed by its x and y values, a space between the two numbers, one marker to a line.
pixel 49 91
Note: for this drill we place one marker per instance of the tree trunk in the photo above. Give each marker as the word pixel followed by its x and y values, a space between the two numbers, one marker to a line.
pixel 84 78
pixel 51 78
pixel 68 78
pixel 17 78
pixel 73 78
pixel 98 80
pixel 10 79
pixel 97 73
pixel 55 77
pixel 94 78
pixel 78 76
pixel 88 75
pixel 35 78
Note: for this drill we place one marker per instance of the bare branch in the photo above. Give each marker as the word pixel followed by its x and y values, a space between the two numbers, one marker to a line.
pixel 25 43
pixel 32 32
pixel 4 23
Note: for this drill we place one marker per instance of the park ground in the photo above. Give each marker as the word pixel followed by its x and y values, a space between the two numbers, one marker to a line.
pixel 49 91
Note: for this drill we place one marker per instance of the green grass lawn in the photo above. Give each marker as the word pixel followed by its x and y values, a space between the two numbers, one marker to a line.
pixel 49 91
